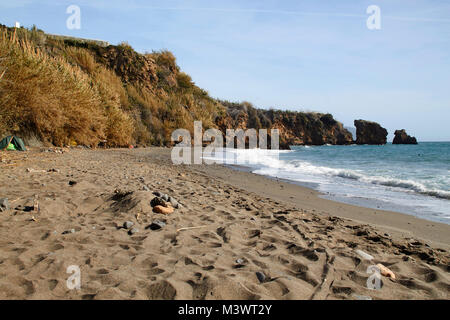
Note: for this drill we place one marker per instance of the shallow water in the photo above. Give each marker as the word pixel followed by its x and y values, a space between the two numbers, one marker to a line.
pixel 413 179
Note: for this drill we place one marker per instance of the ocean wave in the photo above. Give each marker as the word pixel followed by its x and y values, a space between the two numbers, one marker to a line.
pixel 267 162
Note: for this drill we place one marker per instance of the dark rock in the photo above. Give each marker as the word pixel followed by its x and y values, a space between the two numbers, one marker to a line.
pixel 368 132
pixel 156 225
pixel 174 202
pixel 128 224
pixel 133 231
pixel 69 231
pixel 261 277
pixel 401 137
pixel 157 201
pixel 4 204
pixel 157 193
pixel 72 183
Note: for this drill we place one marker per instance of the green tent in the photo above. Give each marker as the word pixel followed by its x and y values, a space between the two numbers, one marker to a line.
pixel 12 143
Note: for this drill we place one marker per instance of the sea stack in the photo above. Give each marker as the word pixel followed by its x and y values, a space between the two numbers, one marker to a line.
pixel 368 132
pixel 401 137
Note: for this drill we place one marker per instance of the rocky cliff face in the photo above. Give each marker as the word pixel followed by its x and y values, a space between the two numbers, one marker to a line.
pixel 368 132
pixel 140 98
pixel 295 128
pixel 401 137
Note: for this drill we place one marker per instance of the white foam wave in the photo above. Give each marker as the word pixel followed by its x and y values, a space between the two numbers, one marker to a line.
pixel 267 162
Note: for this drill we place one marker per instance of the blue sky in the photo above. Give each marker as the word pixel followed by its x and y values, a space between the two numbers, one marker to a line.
pixel 298 55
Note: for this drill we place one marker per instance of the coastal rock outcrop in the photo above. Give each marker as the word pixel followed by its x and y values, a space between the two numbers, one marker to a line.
pixel 295 128
pixel 368 132
pixel 401 137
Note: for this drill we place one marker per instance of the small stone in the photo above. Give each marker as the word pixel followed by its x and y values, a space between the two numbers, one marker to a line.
pixel 240 261
pixel 145 188
pixel 157 201
pixel 386 272
pixel 163 210
pixel 128 224
pixel 156 225
pixel 4 204
pixel 72 183
pixel 173 202
pixel 165 197
pixel 364 255
pixel 261 277
pixel 69 231
pixel 157 193
pixel 133 231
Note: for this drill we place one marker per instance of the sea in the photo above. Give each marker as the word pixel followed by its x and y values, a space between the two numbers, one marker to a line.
pixel 412 179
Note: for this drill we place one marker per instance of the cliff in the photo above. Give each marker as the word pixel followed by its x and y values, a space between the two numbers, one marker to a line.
pixel 64 90
pixel 296 128
pixel 401 137
pixel 368 132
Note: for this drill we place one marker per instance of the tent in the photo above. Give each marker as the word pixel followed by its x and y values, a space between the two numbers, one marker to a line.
pixel 12 143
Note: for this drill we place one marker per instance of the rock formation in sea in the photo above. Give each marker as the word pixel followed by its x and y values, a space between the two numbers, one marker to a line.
pixel 368 132
pixel 401 137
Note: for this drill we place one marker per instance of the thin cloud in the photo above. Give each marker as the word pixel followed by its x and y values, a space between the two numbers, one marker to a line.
pixel 302 13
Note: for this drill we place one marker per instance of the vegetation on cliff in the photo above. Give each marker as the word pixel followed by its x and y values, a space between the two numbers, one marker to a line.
pixel 62 91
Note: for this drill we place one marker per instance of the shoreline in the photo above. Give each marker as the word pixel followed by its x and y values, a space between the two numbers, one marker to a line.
pixel 363 203
pixel 398 223
pixel 69 208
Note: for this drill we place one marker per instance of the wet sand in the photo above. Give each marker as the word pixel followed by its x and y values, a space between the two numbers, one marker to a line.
pixel 232 224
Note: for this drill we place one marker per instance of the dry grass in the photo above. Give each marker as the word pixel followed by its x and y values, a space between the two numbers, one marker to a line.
pixel 62 92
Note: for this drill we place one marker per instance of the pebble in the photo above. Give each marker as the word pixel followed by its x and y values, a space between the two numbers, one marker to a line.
pixel 173 202
pixel 240 261
pixel 157 201
pixel 157 193
pixel 72 183
pixel 385 271
pixel 261 277
pixel 128 224
pixel 133 231
pixel 4 204
pixel 145 188
pixel 163 210
pixel 165 197
pixel 69 231
pixel 364 255
pixel 156 225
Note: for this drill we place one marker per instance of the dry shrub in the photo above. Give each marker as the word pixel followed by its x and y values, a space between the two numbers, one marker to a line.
pixel 67 92
pixel 47 96
pixel 119 127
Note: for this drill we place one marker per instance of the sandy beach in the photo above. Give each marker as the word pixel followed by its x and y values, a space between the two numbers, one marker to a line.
pixel 236 235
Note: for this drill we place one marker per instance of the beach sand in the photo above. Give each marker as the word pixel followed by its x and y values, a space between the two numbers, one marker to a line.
pixel 235 224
